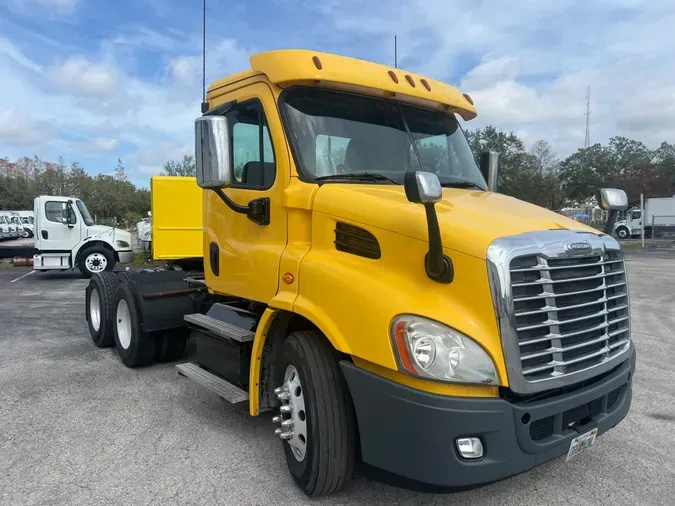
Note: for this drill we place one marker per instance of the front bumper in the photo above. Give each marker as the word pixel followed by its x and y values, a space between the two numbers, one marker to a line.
pixel 412 433
pixel 125 256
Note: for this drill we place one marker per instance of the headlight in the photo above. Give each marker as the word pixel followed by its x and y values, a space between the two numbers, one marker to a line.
pixel 429 349
pixel 122 244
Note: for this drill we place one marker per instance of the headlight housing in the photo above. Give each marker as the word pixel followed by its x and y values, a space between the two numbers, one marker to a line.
pixel 122 244
pixel 431 350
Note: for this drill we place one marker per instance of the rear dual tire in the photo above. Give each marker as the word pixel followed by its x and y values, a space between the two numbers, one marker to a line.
pixel 113 319
pixel 99 298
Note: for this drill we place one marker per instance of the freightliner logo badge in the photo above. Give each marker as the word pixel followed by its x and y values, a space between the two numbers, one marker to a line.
pixel 579 248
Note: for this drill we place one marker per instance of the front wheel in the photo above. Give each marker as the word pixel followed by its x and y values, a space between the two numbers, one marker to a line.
pixel 623 233
pixel 318 425
pixel 95 259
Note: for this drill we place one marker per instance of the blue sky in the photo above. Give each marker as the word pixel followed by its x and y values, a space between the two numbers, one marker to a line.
pixel 94 80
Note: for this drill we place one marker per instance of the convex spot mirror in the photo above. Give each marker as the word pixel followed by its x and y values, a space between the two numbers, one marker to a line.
pixel 612 199
pixel 212 152
pixel 422 187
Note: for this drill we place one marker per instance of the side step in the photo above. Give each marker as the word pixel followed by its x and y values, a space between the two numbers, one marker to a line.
pixel 216 384
pixel 220 328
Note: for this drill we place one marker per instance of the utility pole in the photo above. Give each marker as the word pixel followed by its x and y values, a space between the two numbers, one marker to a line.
pixel 587 139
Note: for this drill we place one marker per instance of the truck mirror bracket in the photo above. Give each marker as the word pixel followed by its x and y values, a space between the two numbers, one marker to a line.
pixel 438 265
pixel 257 210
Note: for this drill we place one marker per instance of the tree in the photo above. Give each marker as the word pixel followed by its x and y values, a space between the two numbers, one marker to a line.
pixel 120 174
pixel 185 168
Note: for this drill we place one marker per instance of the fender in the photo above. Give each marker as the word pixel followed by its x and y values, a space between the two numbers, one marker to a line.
pixel 264 325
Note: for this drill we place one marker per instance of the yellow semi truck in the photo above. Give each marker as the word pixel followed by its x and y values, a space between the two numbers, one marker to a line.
pixel 364 280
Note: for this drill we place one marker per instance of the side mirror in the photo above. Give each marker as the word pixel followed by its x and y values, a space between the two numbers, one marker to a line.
pixel 425 188
pixel 212 152
pixel 422 187
pixel 611 199
pixel 489 167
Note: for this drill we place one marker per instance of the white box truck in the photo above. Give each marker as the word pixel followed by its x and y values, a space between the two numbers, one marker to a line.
pixel 659 211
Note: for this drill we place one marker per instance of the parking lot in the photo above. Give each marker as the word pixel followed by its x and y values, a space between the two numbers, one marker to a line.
pixel 77 427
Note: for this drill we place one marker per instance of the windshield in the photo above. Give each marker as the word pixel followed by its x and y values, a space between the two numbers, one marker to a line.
pixel 86 216
pixel 340 133
pixel 3 220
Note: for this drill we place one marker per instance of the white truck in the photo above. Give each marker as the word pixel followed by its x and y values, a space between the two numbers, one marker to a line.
pixel 67 237
pixel 4 229
pixel 659 210
pixel 26 220
pixel 144 232
pixel 10 230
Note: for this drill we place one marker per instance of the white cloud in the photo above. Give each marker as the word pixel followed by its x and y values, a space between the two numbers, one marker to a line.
pixel 81 77
pixel 18 127
pixel 99 145
pixel 13 53
pixel 535 61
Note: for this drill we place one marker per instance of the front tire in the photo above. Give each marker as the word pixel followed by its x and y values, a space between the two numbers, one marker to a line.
pixel 622 233
pixel 324 462
pixel 134 347
pixel 100 295
pixel 95 259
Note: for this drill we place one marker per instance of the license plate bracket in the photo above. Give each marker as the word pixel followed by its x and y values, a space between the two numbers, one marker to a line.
pixel 581 444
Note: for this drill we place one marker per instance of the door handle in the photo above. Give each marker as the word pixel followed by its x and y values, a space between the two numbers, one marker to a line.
pixel 45 234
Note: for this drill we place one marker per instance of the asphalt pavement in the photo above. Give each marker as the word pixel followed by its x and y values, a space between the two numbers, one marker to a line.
pixel 79 428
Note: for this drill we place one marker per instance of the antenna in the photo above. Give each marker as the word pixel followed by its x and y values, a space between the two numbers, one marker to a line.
pixel 395 53
pixel 587 139
pixel 205 105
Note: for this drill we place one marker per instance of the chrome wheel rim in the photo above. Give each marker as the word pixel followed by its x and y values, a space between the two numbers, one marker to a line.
pixel 96 262
pixel 123 324
pixel 293 416
pixel 95 310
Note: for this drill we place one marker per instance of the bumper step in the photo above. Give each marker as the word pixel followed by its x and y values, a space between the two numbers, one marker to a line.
pixel 220 328
pixel 231 393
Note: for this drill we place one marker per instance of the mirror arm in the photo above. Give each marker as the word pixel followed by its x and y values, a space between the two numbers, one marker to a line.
pixel 611 219
pixel 231 203
pixel 438 266
pixel 257 210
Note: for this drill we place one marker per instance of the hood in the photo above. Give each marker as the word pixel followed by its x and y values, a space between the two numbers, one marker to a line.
pixel 104 232
pixel 469 220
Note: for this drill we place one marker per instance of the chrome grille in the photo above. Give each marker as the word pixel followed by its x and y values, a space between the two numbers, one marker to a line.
pixel 570 313
pixel 562 309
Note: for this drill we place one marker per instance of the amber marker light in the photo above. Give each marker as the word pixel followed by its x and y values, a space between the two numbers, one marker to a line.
pixel 399 337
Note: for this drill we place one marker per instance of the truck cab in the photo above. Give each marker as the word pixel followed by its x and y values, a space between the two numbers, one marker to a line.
pixel 67 237
pixel 5 232
pixel 629 227
pixel 365 281
pixel 13 230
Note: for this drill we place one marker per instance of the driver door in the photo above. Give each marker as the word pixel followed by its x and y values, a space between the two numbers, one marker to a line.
pixel 242 257
pixel 59 227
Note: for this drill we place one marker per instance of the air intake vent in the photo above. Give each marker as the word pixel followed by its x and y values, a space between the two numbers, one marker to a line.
pixel 356 241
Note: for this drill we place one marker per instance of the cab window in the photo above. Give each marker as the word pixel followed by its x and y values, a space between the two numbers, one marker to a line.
pixel 56 211
pixel 251 151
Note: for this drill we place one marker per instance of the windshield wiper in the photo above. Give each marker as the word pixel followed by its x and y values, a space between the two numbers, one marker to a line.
pixel 461 184
pixel 359 176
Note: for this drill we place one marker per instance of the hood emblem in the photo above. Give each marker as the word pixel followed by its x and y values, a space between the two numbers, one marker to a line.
pixel 579 248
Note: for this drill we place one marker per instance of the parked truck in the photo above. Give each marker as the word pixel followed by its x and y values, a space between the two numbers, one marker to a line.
pixel 364 281
pixel 13 229
pixel 659 212
pixel 67 237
